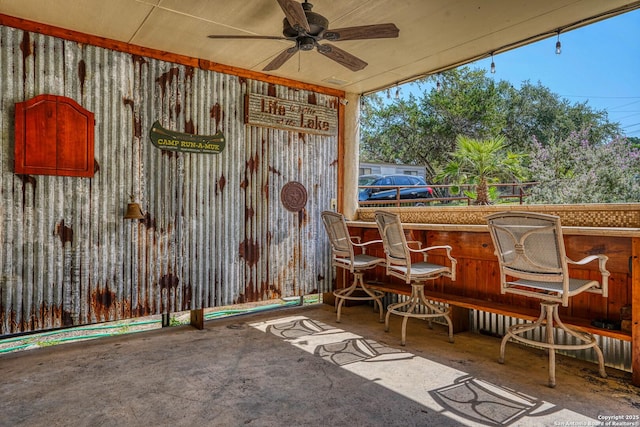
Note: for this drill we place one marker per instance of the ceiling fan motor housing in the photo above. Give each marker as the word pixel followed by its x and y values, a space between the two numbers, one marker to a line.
pixel 317 23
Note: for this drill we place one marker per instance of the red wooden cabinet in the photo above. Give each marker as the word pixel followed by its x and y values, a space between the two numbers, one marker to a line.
pixel 54 135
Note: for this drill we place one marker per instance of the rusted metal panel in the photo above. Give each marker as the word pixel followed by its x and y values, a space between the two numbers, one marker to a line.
pixel 214 231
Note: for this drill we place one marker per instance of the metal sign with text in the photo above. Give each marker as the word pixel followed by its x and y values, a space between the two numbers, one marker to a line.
pixel 166 139
pixel 262 110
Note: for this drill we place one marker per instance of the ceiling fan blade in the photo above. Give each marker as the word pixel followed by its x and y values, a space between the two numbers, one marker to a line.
pixel 283 57
pixel 295 14
pixel 256 37
pixel 376 31
pixel 341 57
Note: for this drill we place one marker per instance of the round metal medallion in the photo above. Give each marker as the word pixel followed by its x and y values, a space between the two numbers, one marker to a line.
pixel 293 196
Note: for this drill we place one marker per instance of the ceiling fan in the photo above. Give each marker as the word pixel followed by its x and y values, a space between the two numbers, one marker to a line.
pixel 307 29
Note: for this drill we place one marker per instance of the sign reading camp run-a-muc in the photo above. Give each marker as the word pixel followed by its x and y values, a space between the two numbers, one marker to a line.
pixel 166 139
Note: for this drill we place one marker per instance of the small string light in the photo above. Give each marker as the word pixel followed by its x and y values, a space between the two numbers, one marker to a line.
pixel 438 85
pixel 493 65
pixel 558 45
pixel 388 93
pixel 397 92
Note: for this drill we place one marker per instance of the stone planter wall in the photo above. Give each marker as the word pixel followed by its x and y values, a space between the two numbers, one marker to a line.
pixel 587 215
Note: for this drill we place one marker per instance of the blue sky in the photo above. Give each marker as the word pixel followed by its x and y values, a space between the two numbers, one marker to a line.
pixel 599 63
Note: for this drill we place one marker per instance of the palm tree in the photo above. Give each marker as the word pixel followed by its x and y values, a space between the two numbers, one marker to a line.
pixel 480 163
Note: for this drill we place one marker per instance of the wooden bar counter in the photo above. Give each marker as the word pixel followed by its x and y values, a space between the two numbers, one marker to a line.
pixel 613 230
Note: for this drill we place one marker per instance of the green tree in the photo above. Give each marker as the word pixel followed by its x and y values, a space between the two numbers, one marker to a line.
pixel 534 112
pixel 480 163
pixel 574 170
pixel 422 129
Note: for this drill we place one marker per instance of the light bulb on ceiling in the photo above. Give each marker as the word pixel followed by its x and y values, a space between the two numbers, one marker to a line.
pixel 493 65
pixel 397 93
pixel 558 45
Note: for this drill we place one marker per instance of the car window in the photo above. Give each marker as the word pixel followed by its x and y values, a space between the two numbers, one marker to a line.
pixel 367 180
pixel 403 180
pixel 385 181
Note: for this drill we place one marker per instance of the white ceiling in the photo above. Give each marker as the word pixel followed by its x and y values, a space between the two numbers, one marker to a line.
pixel 434 34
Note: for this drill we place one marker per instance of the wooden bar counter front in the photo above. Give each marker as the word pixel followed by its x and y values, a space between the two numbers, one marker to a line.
pixel 613 230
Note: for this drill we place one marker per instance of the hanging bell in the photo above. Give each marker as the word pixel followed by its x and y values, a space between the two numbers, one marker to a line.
pixel 133 211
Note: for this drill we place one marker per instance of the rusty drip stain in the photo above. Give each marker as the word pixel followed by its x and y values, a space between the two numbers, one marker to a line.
pixel 140 60
pixel 241 299
pixel 274 292
pixel 64 233
pixel 189 127
pixel 265 190
pixel 25 47
pixel 222 181
pixel 188 73
pixel 302 218
pixel 96 166
pixel 250 251
pixel 312 99
pixel 166 78
pixel 56 313
pixel 67 318
pixel 82 74
pixel 104 298
pixel 334 163
pixel 216 114
pixel 271 90
pixel 186 296
pixel 253 164
pixel 168 281
pixel 178 109
pixel 248 213
pixel 148 221
pixel 244 184
pixel 27 179
pixel 137 125
pixel 274 171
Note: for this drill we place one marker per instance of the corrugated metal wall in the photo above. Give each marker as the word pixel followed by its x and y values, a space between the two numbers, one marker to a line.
pixel 215 231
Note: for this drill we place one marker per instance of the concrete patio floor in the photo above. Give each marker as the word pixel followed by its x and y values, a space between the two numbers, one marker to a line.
pixel 298 367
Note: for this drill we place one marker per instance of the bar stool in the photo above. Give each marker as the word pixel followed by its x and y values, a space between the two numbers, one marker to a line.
pixel 533 263
pixel 399 264
pixel 343 256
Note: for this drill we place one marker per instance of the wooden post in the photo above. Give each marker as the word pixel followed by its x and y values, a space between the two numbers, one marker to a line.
pixel 197 318
pixel 459 318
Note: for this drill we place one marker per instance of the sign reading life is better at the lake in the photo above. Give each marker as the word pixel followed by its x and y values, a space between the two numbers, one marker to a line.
pixel 262 110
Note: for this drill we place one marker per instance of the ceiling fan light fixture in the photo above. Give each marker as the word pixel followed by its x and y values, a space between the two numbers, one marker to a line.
pixel 306 43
